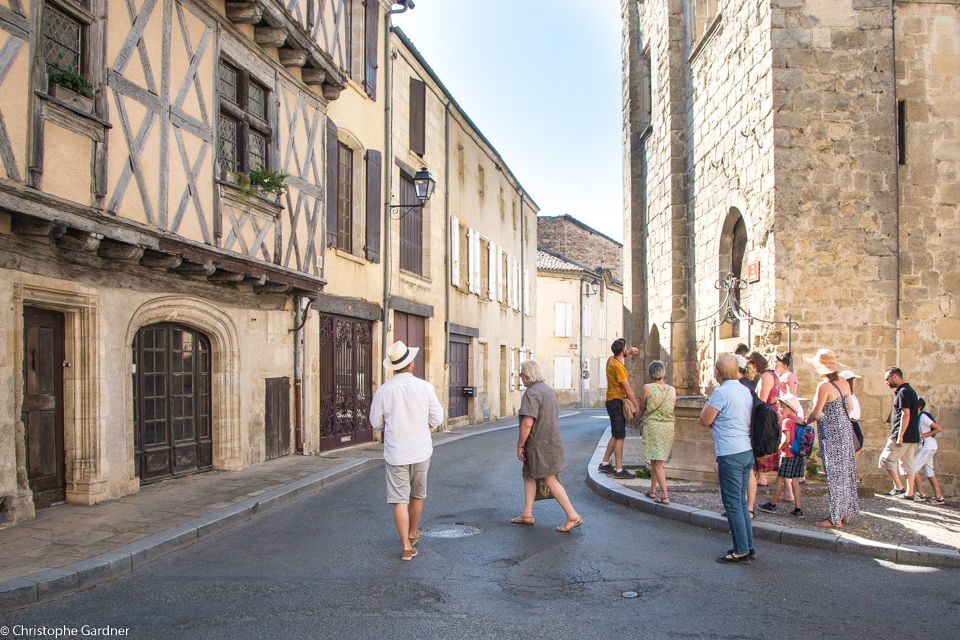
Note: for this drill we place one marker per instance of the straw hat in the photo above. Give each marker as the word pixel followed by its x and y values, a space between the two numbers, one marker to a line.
pixel 846 374
pixel 399 355
pixel 793 402
pixel 825 361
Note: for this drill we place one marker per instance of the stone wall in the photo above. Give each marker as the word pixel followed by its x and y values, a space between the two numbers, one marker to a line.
pixel 569 237
pixel 928 82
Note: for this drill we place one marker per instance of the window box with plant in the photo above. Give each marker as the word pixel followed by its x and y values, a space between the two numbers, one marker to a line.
pixel 72 88
pixel 260 182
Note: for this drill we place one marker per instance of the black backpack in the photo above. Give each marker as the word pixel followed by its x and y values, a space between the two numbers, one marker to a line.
pixel 764 428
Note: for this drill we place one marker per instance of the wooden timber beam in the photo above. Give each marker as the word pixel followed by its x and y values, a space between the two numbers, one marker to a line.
pixel 313 76
pixel 270 36
pixel 24 226
pixel 160 260
pixel 292 57
pixel 272 287
pixel 225 276
pixel 82 241
pixel 190 268
pixel 113 250
pixel 255 279
pixel 244 13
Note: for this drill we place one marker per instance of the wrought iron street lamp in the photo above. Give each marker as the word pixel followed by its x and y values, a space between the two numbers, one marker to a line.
pixel 423 184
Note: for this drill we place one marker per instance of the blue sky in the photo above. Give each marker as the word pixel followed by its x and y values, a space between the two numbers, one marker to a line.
pixel 541 79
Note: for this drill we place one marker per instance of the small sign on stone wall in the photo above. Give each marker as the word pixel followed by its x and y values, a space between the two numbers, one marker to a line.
pixel 753 272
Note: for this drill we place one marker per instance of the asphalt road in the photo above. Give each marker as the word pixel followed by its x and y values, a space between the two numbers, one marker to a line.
pixel 327 566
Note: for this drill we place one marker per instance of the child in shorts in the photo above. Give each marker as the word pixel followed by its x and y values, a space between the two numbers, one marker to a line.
pixel 791 466
pixel 926 452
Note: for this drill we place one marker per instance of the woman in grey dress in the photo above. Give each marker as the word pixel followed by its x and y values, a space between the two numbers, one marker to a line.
pixel 540 448
pixel 831 412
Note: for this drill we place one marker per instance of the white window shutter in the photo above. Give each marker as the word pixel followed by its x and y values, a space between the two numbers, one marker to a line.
pixel 526 292
pixel 559 319
pixel 602 323
pixel 491 270
pixel 476 263
pixel 568 324
pixel 499 274
pixel 470 260
pixel 455 251
pixel 557 374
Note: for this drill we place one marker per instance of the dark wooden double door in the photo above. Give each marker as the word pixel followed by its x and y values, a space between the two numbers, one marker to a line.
pixel 42 410
pixel 171 402
pixel 346 370
pixel 459 370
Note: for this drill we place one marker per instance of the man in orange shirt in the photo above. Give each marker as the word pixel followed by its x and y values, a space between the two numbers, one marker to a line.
pixel 618 388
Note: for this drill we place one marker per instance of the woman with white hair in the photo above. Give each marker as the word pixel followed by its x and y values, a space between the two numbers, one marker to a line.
pixel 540 448
pixel 656 404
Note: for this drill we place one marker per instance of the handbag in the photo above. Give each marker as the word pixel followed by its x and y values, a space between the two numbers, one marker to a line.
pixel 543 491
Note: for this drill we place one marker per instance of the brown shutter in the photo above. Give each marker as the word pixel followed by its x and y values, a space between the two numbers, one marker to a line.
pixel 332 166
pixel 371 32
pixel 373 205
pixel 418 115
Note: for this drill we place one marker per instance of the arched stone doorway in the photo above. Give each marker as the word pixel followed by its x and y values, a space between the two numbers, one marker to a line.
pixel 733 253
pixel 171 402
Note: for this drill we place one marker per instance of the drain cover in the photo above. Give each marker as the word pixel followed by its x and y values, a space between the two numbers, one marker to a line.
pixel 450 531
pixel 630 594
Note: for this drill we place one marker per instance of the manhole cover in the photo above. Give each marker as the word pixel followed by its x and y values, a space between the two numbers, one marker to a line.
pixel 450 531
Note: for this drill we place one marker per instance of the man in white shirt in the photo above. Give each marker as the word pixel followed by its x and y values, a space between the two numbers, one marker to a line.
pixel 405 408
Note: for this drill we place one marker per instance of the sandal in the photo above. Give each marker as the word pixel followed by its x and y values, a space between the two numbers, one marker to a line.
pixel 527 520
pixel 732 559
pixel 665 500
pixel 652 495
pixel 569 525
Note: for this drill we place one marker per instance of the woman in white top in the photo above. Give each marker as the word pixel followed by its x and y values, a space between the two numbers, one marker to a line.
pixel 854 405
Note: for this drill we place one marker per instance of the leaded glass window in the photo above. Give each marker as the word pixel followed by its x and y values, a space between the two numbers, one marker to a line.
pixel 244 133
pixel 62 41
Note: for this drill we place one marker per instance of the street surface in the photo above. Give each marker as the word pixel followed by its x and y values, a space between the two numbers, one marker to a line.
pixel 327 566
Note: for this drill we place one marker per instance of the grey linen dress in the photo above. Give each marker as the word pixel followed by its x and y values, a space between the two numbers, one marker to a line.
pixel 544 448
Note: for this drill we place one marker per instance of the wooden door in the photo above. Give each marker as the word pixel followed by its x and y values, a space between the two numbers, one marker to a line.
pixel 411 330
pixel 346 370
pixel 459 356
pixel 171 402
pixel 42 412
pixel 276 417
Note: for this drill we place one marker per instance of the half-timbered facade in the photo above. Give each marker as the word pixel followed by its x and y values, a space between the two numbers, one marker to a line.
pixel 164 192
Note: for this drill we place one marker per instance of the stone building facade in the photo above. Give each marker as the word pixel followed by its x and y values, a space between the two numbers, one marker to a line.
pixel 165 308
pixel 570 237
pixel 581 314
pixel 809 148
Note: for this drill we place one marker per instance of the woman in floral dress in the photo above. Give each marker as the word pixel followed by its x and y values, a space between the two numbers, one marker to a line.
pixel 831 412
pixel 656 404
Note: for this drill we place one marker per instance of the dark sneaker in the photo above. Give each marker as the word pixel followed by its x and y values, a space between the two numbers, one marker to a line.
pixel 797 512
pixel 623 474
pixel 768 507
pixel 939 500
pixel 896 492
pixel 605 467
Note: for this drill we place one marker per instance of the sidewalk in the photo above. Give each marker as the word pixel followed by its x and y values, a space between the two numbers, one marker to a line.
pixel 68 547
pixel 887 528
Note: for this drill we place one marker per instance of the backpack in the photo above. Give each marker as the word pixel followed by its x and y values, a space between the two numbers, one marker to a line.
pixel 802 444
pixel 764 429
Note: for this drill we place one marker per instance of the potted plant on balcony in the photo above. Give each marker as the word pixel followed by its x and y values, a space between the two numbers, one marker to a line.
pixel 260 182
pixel 71 87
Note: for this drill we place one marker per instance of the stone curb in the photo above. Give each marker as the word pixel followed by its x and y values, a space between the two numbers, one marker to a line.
pixel 53 583
pixel 839 543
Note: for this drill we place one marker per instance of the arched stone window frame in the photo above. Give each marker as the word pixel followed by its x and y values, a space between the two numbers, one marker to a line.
pixel 224 368
pixel 735 211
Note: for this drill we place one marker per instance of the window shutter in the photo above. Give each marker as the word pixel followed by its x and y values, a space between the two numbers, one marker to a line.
pixel 602 324
pixel 513 368
pixel 470 257
pixel 491 270
pixel 373 205
pixel 331 194
pixel 568 317
pixel 455 251
pixel 418 115
pixel 586 322
pixel 477 263
pixel 526 292
pixel 499 274
pixel 371 33
pixel 559 319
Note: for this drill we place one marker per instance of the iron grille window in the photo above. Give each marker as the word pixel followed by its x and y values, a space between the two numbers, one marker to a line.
pixel 64 34
pixel 243 132
pixel 344 197
pixel 411 228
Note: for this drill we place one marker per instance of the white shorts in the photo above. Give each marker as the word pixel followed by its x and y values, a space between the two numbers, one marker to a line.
pixel 923 461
